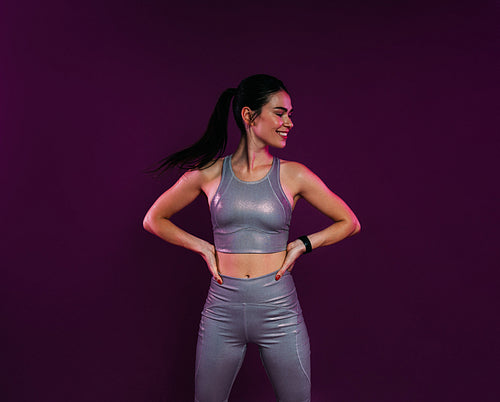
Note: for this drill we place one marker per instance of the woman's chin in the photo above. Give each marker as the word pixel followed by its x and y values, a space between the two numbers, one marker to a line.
pixel 281 144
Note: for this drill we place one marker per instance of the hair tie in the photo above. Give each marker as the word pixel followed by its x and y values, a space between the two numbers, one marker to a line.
pixel 232 91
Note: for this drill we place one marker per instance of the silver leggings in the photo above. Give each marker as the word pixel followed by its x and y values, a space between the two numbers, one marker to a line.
pixel 259 310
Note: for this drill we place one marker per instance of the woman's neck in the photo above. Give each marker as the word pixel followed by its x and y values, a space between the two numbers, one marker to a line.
pixel 251 155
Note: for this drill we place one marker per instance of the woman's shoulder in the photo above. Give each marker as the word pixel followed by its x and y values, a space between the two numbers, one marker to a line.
pixel 209 172
pixel 293 169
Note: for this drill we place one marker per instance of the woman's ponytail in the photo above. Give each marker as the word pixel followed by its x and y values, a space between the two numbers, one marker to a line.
pixel 253 92
pixel 209 147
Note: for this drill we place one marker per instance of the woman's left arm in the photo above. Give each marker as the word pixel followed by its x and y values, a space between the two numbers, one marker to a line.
pixel 310 187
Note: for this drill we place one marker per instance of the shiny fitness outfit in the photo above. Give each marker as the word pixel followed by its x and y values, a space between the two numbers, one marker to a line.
pixel 252 217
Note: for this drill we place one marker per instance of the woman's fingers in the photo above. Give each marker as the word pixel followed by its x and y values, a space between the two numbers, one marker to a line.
pixel 294 250
pixel 215 272
pixel 209 257
pixel 283 269
pixel 217 278
pixel 287 265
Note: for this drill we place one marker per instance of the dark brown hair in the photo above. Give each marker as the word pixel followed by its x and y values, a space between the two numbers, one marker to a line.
pixel 254 92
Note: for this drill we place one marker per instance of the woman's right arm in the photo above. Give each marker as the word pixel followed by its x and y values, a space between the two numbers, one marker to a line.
pixel 157 219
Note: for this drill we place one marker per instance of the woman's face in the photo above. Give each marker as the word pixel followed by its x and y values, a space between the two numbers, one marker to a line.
pixel 271 127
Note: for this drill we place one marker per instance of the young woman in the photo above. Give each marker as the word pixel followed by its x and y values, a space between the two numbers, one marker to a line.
pixel 251 196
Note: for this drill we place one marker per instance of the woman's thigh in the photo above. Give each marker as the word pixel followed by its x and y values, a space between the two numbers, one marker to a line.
pixel 284 349
pixel 219 354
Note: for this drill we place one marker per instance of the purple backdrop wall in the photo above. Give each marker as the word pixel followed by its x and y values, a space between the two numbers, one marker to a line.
pixel 393 110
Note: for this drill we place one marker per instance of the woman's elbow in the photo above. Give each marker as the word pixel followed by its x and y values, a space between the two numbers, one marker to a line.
pixel 356 227
pixel 146 223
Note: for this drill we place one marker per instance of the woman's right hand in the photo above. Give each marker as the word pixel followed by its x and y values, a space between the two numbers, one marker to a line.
pixel 208 254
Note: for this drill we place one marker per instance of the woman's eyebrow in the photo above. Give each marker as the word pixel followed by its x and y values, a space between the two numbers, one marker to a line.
pixel 283 108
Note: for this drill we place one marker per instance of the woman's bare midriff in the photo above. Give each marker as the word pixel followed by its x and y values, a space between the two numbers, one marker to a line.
pixel 249 265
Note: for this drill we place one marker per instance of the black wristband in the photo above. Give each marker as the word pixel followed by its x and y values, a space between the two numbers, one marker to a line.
pixel 307 243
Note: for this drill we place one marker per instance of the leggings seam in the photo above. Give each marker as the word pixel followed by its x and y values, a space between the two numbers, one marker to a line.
pixel 197 362
pixel 298 354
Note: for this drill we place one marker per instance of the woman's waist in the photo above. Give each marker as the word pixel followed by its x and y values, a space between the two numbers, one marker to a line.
pixel 264 290
pixel 249 265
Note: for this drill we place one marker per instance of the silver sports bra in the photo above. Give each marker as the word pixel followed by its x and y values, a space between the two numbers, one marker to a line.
pixel 250 216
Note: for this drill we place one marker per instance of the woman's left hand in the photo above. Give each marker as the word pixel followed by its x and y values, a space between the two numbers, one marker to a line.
pixel 293 251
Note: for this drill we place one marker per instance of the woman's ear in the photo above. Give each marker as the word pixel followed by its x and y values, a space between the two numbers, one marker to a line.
pixel 247 115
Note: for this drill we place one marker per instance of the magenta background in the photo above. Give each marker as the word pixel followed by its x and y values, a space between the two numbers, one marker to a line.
pixel 394 105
